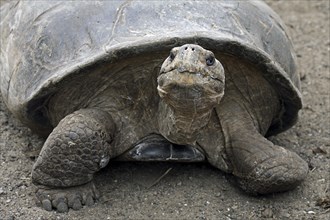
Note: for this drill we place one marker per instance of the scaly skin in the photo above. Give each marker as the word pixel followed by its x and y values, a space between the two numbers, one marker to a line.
pixel 191 84
pixel 77 148
pixel 260 166
pixel 194 101
pixel 245 113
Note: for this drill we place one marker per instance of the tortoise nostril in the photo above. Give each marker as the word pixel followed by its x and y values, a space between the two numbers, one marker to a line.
pixel 160 81
pixel 185 48
pixel 193 49
pixel 172 55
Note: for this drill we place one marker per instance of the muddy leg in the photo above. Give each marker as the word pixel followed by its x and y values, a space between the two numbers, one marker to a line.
pixel 77 148
pixel 260 166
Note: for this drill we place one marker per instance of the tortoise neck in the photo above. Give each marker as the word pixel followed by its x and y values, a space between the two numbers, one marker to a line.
pixel 181 127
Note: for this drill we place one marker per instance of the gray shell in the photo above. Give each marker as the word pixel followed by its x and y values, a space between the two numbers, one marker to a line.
pixel 44 42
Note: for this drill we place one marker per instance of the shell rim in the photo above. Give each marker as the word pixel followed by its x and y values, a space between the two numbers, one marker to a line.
pixel 151 44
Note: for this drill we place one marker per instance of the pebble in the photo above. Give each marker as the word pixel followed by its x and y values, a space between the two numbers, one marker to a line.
pixel 287 215
pixel 2 192
pixel 267 213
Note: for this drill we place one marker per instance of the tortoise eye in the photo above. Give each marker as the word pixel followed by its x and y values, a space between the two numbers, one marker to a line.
pixel 210 60
pixel 172 56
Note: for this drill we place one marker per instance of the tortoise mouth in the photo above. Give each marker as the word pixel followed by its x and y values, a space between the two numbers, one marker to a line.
pixel 189 89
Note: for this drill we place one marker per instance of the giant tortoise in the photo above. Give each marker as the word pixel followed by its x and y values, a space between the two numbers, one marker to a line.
pixel 91 77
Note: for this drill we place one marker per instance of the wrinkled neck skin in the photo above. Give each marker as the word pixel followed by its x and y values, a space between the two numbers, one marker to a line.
pixel 181 126
pixel 190 84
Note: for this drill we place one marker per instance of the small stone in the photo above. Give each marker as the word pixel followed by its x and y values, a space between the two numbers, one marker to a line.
pixel 11 217
pixel 179 183
pixel 324 202
pixel 287 215
pixel 319 150
pixel 267 213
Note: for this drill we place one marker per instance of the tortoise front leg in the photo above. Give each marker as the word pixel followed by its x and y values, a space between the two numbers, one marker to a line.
pixel 77 148
pixel 260 166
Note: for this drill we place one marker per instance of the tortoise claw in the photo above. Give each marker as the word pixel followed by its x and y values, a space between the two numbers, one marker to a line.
pixel 46 204
pixel 63 199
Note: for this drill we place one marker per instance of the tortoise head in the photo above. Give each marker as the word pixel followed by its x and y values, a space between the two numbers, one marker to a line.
pixel 191 83
pixel 191 79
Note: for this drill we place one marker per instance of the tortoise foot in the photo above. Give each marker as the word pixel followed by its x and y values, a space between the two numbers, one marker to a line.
pixel 63 199
pixel 281 171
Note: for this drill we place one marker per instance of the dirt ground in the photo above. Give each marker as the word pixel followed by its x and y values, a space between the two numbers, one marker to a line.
pixel 198 191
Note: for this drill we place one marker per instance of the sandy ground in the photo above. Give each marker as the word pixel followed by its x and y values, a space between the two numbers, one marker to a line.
pixel 198 191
